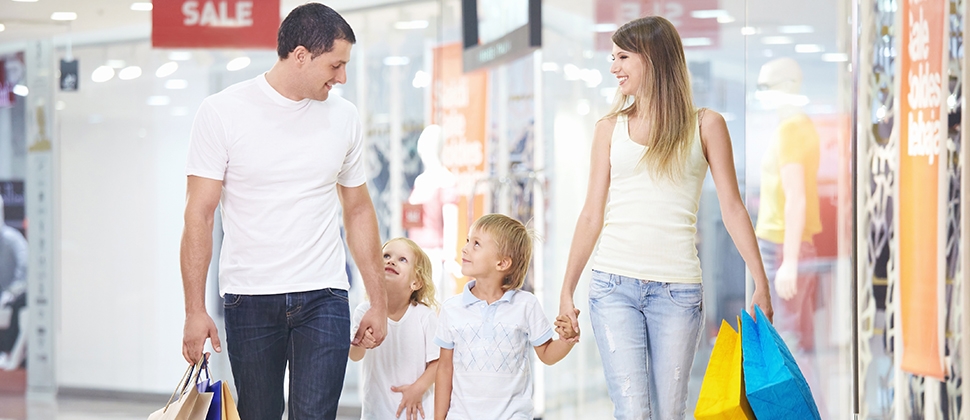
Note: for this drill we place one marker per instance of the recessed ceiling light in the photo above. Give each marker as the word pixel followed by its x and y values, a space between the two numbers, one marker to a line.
pixel 835 57
pixel 26 1
pixel 130 72
pixel 749 30
pixel 796 29
pixel 102 74
pixel 141 7
pixel 176 84
pixel 2 27
pixel 411 24
pixel 604 27
pixel 166 69
pixel 708 14
pixel 777 40
pixel 63 16
pixel 238 63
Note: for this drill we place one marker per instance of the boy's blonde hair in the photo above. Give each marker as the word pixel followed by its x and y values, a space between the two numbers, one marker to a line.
pixel 422 270
pixel 514 242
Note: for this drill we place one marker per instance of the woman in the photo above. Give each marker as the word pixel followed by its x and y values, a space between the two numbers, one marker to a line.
pixel 650 155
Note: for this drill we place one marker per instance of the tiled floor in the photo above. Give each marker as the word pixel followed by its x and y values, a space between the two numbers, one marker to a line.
pixel 16 407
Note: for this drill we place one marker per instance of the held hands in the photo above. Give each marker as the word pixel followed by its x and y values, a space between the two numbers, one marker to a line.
pixel 786 280
pixel 410 401
pixel 568 326
pixel 198 327
pixel 374 323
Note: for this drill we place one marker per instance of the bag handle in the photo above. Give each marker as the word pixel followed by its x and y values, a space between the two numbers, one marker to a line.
pixel 190 376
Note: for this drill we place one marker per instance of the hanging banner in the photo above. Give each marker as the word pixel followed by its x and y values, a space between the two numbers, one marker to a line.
pixel 921 217
pixel 459 102
pixel 215 23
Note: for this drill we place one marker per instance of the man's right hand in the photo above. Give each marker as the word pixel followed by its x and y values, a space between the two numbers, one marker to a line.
pixel 198 327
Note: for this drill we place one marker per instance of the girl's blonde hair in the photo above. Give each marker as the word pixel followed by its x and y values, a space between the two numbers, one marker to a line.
pixel 421 272
pixel 514 242
pixel 665 89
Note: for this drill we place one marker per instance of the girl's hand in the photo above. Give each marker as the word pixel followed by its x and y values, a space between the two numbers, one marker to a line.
pixel 410 401
pixel 763 299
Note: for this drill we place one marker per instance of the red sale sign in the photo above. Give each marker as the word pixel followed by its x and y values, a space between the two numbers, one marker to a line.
pixel 215 23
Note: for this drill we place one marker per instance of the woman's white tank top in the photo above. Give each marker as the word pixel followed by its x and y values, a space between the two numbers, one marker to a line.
pixel 650 224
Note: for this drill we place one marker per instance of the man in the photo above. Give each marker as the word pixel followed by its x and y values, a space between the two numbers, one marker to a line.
pixel 283 158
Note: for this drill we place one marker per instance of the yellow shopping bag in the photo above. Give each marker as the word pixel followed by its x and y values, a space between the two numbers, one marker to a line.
pixel 722 392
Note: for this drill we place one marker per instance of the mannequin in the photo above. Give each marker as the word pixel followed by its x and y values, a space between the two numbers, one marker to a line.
pixel 788 215
pixel 13 296
pixel 435 190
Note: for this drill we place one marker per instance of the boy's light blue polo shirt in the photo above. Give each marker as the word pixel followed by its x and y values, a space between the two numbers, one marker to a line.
pixel 493 344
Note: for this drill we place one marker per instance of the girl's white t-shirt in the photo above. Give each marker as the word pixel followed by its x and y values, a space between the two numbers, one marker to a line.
pixel 399 360
pixel 280 162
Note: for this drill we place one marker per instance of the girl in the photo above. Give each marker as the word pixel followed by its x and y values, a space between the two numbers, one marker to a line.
pixel 485 333
pixel 397 375
pixel 650 155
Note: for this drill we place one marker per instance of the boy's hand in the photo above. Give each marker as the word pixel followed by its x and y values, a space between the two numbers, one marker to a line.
pixel 564 327
pixel 410 401
pixel 367 341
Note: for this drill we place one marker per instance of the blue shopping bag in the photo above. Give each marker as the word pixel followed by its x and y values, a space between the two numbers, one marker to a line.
pixel 774 384
pixel 216 389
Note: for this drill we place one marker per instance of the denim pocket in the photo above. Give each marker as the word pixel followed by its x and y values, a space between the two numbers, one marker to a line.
pixel 338 293
pixel 231 300
pixel 688 295
pixel 601 285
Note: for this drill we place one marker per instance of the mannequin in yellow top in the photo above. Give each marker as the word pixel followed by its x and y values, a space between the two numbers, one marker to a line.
pixel 788 215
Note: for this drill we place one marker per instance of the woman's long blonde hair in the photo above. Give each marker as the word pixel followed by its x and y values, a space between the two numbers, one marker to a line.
pixel 665 88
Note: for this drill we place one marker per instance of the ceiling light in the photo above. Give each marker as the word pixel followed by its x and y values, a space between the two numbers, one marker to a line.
pixel 725 19
pixel 808 48
pixel 141 7
pixel 238 63
pixel 166 69
pixel 396 61
pixel 708 14
pixel 411 24
pixel 550 66
pixel 63 16
pixel 777 40
pixel 835 57
pixel 158 100
pixel 102 74
pixel 176 84
pixel 25 1
pixel 697 42
pixel 796 29
pixel 130 72
pixel 20 90
pixel 604 27
pixel 749 30
pixel 2 27
pixel 179 56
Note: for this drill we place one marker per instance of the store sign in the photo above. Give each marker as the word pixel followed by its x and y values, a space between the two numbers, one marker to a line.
pixel 922 212
pixel 215 24
pixel 459 102
pixel 695 20
pixel 69 77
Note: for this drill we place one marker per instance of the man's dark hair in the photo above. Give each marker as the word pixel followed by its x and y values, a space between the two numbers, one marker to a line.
pixel 315 27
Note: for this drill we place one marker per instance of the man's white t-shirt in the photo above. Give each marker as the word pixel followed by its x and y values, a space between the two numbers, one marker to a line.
pixel 400 360
pixel 280 162
pixel 492 375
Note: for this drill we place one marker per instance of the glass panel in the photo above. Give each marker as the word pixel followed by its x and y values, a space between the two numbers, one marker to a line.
pixel 797 127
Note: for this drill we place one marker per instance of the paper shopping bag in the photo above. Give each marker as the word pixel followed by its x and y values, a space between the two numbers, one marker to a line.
pixel 228 404
pixel 774 384
pixel 191 404
pixel 722 391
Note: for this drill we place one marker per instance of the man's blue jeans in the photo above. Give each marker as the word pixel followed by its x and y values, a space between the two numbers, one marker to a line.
pixel 308 330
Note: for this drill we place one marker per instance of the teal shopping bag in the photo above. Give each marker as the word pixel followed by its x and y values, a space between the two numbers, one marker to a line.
pixel 774 384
